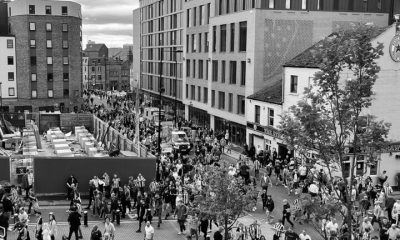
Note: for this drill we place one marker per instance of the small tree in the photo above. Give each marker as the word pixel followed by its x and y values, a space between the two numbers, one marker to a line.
pixel 332 118
pixel 223 197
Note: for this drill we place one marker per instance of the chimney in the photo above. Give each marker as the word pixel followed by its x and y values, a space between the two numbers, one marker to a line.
pixel 3 18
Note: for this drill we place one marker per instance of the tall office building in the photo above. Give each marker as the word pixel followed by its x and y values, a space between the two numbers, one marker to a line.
pixel 160 24
pixel 48 54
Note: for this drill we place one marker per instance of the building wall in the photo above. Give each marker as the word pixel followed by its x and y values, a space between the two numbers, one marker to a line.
pixel 8 88
pixel 85 72
pixel 21 7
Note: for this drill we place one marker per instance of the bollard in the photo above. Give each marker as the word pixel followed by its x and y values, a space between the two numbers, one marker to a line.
pixel 85 218
pixel 118 216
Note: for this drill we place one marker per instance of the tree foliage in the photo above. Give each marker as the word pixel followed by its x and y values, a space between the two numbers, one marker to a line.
pixel 223 197
pixel 332 118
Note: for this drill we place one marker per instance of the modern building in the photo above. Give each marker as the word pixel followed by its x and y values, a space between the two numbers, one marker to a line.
pixel 298 74
pixel 248 42
pixel 160 24
pixel 48 54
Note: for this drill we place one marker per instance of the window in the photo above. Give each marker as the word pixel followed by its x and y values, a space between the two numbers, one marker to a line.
pixel 257 114
pixel 207 62
pixel 379 5
pixel 214 43
pixel 241 105
pixel 230 102
pixel 271 114
pixel 222 43
pixel 65 60
pixel 293 84
pixel 187 43
pixel 220 7
pixel 188 17
pixel 65 27
pixel 65 76
pixel 65 44
pixel 64 10
pixel 199 94
pixel 194 69
pixel 243 5
pixel 48 10
pixel 208 12
pixel 48 27
pixel 31 9
pixel 287 5
pixel 232 72
pixel 235 5
pixel 200 42
pixel 49 60
pixel 205 93
pixel 10 76
pixel 33 77
pixel 242 36
pixel 214 71
pixel 34 94
pixel 206 42
pixel 227 6
pixel 271 4
pixel 66 93
pixel 194 47
pixel 223 70
pixel 10 60
pixel 33 43
pixel 99 77
pixel 10 43
pixel 187 91
pixel 221 100
pixel 49 44
pixel 33 60
pixel 187 67
pixel 11 91
pixel 201 69
pixel 304 4
pixel 232 37
pixel 32 26
pixel 212 98
pixel 194 16
pixel 192 92
pixel 50 93
pixel 243 73
pixel 201 17
pixel 50 77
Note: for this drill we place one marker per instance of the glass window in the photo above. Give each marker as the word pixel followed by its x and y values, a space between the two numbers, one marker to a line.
pixel 205 97
pixel 187 67
pixel 241 105
pixel 242 36
pixel 49 44
pixel 10 76
pixel 293 83
pixel 207 62
pixel 271 4
pixel 34 94
pixel 50 77
pixel 33 77
pixel 64 10
pixel 33 60
pixel 257 114
pixel 287 5
pixel 232 72
pixel 33 43
pixel 194 43
pixel 10 60
pixel 50 93
pixel 48 27
pixel 31 9
pixel 243 73
pixel 221 100
pixel 206 42
pixel 65 27
pixel 201 16
pixel 65 60
pixel 215 71
pixel 65 44
pixel 194 68
pixel 222 43
pixel 271 115
pixel 49 60
pixel 199 94
pixel 10 43
pixel 192 92
pixel 303 4
pixel 32 26
pixel 65 76
pixel 200 42
pixel 232 47
pixel 212 98
pixel 187 91
pixel 11 91
pixel 230 102
pixel 48 10
pixel 223 71
pixel 214 43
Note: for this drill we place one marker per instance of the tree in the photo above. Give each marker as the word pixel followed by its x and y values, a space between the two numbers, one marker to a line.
pixel 331 119
pixel 224 197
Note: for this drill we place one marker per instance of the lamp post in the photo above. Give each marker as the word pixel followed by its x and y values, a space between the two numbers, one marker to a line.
pixel 176 86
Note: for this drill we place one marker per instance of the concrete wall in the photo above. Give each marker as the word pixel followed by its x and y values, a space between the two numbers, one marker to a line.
pixel 51 173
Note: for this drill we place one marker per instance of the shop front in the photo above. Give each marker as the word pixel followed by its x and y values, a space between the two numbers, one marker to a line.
pixel 237 132
pixel 199 117
pixel 168 104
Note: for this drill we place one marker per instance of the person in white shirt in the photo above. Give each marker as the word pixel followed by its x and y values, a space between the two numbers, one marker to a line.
pixel 148 231
pixel 304 236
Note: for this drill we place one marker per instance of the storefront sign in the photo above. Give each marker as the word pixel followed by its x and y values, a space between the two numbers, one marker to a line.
pixel 270 131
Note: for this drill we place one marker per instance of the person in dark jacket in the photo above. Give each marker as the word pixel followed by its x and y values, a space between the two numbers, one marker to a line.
pixel 4 222
pixel 114 207
pixel 142 209
pixel 74 220
pixel 291 235
pixel 270 205
pixel 96 233
pixel 7 205
pixel 218 234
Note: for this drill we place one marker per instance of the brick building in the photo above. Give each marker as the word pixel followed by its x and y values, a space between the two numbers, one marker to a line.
pixel 48 54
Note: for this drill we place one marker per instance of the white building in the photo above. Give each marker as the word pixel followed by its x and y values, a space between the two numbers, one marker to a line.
pixel 8 68
pixel 298 73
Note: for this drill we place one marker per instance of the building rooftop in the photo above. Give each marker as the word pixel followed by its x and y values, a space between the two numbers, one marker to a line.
pixel 306 59
pixel 94 47
pixel 271 93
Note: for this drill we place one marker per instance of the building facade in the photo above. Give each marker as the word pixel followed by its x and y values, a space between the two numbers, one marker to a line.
pixel 8 70
pixel 85 72
pixel 48 54
pixel 161 39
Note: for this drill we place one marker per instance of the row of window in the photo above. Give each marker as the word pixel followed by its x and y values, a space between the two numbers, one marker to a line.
pixel 50 77
pixel 49 27
pixel 64 10
pixel 49 60
pixel 191 68
pixel 199 95
pixel 257 115
pixel 198 15
pixel 232 36
pixel 49 43
pixel 157 9
pixel 195 43
pixel 222 73
pixel 50 93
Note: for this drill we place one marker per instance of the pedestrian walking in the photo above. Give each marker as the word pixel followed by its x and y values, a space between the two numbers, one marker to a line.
pixel 53 226
pixel 74 220
pixel 148 231
pixel 286 213
pixel 109 228
pixel 181 212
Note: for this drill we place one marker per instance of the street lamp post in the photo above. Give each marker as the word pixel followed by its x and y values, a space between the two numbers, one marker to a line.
pixel 176 86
